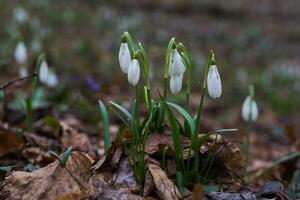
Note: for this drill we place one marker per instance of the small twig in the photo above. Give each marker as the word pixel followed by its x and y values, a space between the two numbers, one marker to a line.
pixel 7 84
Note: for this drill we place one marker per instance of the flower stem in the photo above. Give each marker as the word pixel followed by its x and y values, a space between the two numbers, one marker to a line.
pixel 246 148
pixel 137 111
pixel 203 92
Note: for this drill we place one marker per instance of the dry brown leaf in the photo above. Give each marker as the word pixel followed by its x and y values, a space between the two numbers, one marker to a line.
pixel 106 159
pixel 149 184
pixel 37 156
pixel 9 142
pixel 41 141
pixel 52 181
pixel 114 162
pixel 197 192
pixel 165 188
pixel 71 137
pixel 156 142
pixel 125 175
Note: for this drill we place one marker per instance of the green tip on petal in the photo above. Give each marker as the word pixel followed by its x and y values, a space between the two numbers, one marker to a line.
pixel 135 55
pixel 123 38
pixel 213 60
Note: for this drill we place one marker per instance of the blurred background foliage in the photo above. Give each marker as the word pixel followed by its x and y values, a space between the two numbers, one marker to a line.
pixel 254 41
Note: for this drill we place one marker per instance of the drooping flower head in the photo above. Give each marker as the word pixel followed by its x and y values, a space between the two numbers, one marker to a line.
pixel 214 85
pixel 175 71
pixel 124 56
pixel 43 72
pixel 249 107
pixel 20 53
pixel 176 84
pixel 176 65
pixel 134 71
pixel 47 76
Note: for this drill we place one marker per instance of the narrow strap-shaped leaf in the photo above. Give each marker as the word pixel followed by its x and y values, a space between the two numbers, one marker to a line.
pixel 105 120
pixel 115 106
pixel 65 156
pixel 185 115
pixel 175 135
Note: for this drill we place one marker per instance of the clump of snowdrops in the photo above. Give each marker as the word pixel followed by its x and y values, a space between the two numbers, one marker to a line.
pixel 134 64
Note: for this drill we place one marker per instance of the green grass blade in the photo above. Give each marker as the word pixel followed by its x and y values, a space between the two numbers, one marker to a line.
pixel 175 136
pixel 65 156
pixel 185 115
pixel 105 120
pixel 116 108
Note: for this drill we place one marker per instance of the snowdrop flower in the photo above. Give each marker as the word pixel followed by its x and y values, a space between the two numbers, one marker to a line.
pixel 20 53
pixel 47 76
pixel 52 79
pixel 134 72
pixel 176 84
pixel 176 71
pixel 124 57
pixel 214 85
pixel 20 15
pixel 176 66
pixel 249 108
pixel 43 72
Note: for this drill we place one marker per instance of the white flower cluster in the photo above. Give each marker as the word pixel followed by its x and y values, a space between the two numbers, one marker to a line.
pixel 128 66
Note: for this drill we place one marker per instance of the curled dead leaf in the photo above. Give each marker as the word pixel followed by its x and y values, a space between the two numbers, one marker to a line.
pixel 52 181
pixel 165 188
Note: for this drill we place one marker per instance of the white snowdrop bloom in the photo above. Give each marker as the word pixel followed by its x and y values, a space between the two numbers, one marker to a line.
pixel 20 53
pixel 249 108
pixel 176 65
pixel 134 72
pixel 176 84
pixel 20 15
pixel 214 85
pixel 124 57
pixel 52 79
pixel 23 72
pixel 43 72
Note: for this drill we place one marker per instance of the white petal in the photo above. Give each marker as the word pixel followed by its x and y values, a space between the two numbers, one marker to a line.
pixel 52 79
pixel 124 57
pixel 20 53
pixel 176 66
pixel 176 84
pixel 249 108
pixel 134 72
pixel 43 72
pixel 214 85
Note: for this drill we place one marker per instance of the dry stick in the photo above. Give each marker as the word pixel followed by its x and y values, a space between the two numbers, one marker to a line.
pixel 7 84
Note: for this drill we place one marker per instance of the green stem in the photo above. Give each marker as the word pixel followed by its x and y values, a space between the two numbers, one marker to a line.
pixel 203 92
pixel 137 111
pixel 187 101
pixel 246 148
